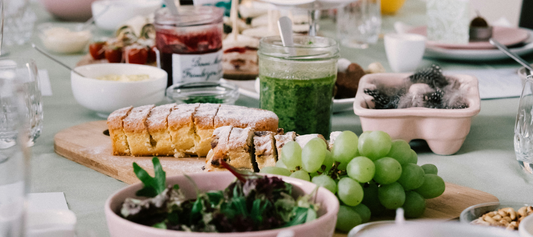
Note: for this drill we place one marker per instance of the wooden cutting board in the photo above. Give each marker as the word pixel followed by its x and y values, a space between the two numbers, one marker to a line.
pixel 87 145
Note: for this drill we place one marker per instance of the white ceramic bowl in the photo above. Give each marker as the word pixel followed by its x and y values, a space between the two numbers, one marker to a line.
pixel 444 130
pixel 105 97
pixel 426 229
pixel 323 226
pixel 64 38
pixel 110 14
pixel 525 229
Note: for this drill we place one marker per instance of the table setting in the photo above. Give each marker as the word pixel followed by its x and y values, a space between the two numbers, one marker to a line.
pixel 264 118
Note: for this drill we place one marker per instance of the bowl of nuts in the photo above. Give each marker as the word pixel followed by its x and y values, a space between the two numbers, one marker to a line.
pixel 503 215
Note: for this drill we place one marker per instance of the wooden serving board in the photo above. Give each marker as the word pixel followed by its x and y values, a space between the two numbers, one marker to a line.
pixel 87 145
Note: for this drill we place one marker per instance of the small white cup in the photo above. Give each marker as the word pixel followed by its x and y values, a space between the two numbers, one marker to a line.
pixel 404 51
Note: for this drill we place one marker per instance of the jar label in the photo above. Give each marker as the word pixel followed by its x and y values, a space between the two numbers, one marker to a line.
pixel 197 67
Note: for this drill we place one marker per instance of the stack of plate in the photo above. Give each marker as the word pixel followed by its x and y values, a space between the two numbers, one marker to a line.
pixel 519 40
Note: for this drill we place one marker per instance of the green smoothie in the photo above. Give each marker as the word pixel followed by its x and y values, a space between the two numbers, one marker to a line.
pixel 303 106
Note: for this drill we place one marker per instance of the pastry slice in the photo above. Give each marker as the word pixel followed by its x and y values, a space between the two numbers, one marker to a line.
pixel 265 149
pixel 242 117
pixel 204 121
pixel 115 125
pixel 282 139
pixel 137 132
pixel 240 148
pixel 181 129
pixel 304 139
pixel 219 149
pixel 158 128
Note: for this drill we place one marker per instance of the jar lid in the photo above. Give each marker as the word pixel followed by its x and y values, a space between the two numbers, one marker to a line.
pixel 189 15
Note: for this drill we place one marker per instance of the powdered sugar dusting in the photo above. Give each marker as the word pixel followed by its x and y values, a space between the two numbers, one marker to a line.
pixel 182 114
pixel 240 116
pixel 115 118
pixel 136 118
pixel 157 119
pixel 264 143
pixel 281 140
pixel 205 114
pixel 240 138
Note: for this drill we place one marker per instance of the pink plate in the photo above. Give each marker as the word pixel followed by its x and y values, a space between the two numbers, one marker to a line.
pixel 505 35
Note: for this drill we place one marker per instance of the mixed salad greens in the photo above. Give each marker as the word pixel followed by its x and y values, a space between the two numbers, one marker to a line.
pixel 250 203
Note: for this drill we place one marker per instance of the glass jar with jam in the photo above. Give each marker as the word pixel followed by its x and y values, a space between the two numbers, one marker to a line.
pixel 297 82
pixel 189 44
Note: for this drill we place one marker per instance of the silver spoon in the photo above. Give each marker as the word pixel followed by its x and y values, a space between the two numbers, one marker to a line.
pixel 55 60
pixel 285 31
pixel 514 56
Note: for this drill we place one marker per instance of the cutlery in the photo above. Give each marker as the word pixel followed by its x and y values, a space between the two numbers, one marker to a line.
pixel 285 31
pixel 55 59
pixel 514 56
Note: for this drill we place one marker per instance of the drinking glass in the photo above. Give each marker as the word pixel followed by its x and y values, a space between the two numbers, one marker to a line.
pixel 14 157
pixel 359 23
pixel 23 73
pixel 523 132
pixel 19 19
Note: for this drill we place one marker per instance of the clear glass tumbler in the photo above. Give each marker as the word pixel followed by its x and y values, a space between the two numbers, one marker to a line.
pixel 297 82
pixel 523 132
pixel 359 23
pixel 23 73
pixel 14 158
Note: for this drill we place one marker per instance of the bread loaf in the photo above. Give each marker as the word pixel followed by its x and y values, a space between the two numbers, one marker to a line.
pixel 180 130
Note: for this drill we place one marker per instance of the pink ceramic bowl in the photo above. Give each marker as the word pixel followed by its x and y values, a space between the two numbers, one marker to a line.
pixel 321 227
pixel 79 10
pixel 444 130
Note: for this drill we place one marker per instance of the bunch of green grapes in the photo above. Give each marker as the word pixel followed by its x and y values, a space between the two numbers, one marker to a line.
pixel 369 174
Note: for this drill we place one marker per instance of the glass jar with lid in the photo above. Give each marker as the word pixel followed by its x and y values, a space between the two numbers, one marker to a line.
pixel 189 44
pixel 297 82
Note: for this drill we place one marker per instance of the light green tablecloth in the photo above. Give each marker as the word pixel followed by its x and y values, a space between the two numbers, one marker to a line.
pixel 485 162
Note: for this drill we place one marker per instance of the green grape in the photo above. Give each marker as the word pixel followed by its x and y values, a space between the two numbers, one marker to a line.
pixel 347 219
pixel 342 166
pixel 430 169
pixel 361 169
pixel 375 144
pixel 280 164
pixel 291 155
pixel 363 211
pixel 326 182
pixel 313 155
pixel 301 174
pixel 345 147
pixel 414 157
pixel 432 187
pixel 328 162
pixel 350 191
pixel 275 170
pixel 412 176
pixel 370 199
pixel 388 170
pixel 414 205
pixel 391 196
pixel 401 151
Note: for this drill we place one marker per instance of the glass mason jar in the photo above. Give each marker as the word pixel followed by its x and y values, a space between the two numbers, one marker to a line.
pixel 189 44
pixel 297 82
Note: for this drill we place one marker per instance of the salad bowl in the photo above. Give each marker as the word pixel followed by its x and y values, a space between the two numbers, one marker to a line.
pixel 323 226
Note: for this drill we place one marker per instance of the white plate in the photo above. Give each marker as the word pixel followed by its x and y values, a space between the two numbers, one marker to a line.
pixel 309 4
pixel 478 54
pixel 249 88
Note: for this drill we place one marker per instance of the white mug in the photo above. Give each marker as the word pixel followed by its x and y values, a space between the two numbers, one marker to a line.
pixel 404 51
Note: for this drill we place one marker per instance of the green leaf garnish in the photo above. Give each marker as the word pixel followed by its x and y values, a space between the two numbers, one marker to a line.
pixel 152 185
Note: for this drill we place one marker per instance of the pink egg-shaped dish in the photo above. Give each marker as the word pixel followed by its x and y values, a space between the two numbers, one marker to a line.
pixel 323 226
pixel 444 130
pixel 69 10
